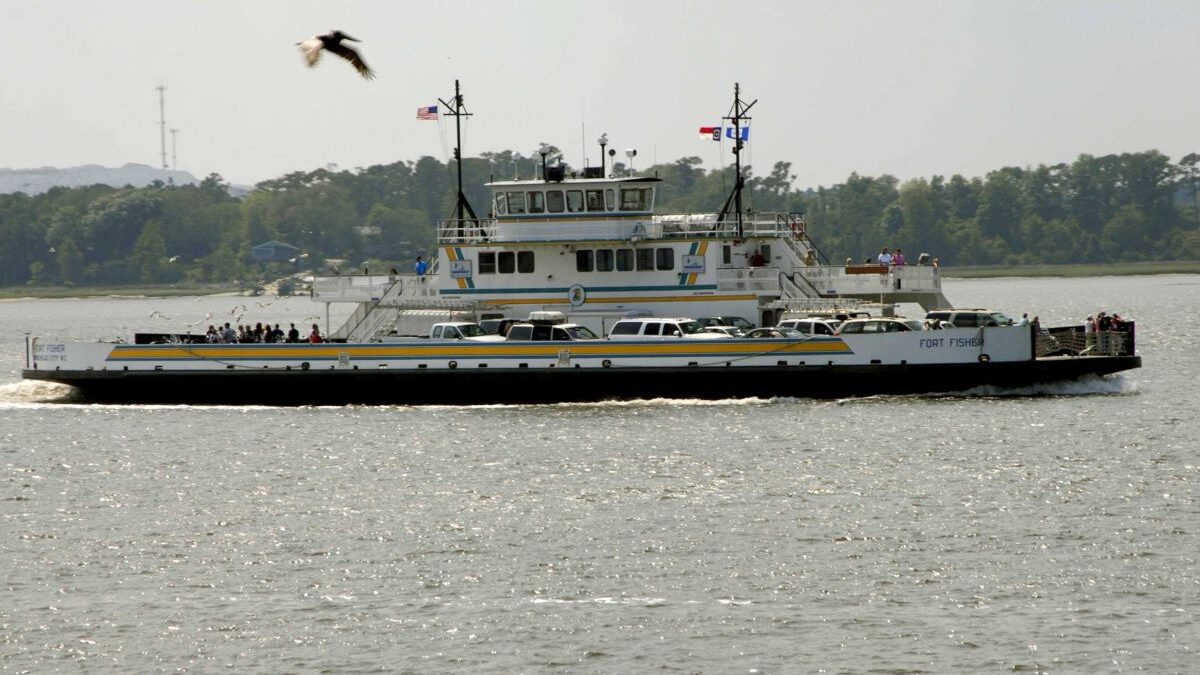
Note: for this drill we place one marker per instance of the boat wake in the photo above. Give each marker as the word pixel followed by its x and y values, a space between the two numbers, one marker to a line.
pixel 1091 385
pixel 35 391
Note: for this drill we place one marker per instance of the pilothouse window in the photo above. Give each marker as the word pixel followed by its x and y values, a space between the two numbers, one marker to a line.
pixel 575 201
pixel 635 199
pixel 537 202
pixel 501 204
pixel 516 202
pixel 554 201
pixel 604 260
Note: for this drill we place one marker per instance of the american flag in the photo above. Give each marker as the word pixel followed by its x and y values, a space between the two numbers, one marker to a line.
pixel 429 112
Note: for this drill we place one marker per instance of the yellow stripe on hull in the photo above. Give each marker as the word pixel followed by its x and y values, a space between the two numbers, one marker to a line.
pixel 324 351
pixel 558 300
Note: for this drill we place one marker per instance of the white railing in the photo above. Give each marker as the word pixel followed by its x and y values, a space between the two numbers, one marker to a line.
pixel 351 287
pixel 869 279
pixel 756 279
pixel 603 227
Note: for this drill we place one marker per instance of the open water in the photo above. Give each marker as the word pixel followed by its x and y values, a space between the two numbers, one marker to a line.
pixel 1052 531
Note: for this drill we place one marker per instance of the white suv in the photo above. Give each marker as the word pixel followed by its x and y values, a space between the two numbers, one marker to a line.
pixel 809 326
pixel 661 329
pixel 967 318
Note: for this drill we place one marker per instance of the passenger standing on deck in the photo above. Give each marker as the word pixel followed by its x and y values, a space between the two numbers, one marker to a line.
pixel 229 334
pixel 1103 326
pixel 315 336
pixel 422 267
pixel 757 260
pixel 885 258
pixel 293 335
pixel 898 259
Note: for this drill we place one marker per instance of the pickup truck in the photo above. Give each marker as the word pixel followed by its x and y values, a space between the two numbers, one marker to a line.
pixel 461 330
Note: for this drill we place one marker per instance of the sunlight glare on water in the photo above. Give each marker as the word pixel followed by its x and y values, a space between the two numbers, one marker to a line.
pixel 1049 530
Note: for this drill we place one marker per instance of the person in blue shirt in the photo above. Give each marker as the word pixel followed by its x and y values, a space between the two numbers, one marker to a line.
pixel 422 266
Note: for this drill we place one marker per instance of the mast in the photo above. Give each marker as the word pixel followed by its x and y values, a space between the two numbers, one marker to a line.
pixel 458 111
pixel 740 108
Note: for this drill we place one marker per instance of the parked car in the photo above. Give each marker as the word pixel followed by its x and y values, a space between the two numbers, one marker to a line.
pixel 497 326
pixel 774 332
pixel 565 332
pixel 735 321
pixel 878 325
pixel 661 329
pixel 810 326
pixel 731 331
pixel 967 318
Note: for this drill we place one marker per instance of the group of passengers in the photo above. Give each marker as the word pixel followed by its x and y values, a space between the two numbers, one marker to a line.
pixel 258 333
pixel 1098 330
pixel 887 258
pixel 891 259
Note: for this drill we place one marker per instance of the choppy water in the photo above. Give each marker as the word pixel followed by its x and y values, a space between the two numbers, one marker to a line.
pixel 989 533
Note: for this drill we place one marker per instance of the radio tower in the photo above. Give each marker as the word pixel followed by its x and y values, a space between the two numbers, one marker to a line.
pixel 162 123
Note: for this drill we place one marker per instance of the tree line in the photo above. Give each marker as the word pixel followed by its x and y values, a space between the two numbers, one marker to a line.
pixel 1126 207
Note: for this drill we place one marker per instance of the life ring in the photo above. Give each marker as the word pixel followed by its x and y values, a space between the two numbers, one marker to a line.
pixel 984 358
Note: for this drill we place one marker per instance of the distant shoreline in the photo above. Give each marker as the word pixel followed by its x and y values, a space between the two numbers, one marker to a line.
pixel 65 292
pixel 976 272
pixel 1116 269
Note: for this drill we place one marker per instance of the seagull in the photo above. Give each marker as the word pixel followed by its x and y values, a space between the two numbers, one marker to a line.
pixel 332 42
pixel 173 258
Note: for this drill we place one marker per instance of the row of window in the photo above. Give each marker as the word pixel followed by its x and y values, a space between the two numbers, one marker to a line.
pixel 505 262
pixel 599 260
pixel 573 201
pixel 625 259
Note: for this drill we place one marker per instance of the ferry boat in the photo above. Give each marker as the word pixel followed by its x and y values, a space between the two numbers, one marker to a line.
pixel 590 246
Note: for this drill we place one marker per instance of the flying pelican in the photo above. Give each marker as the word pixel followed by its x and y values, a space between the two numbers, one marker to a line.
pixel 332 42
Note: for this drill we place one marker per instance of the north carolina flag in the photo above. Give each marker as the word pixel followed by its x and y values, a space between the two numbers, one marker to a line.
pixel 711 132
pixel 745 133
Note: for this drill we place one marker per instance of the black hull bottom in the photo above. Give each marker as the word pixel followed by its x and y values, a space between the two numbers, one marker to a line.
pixel 552 385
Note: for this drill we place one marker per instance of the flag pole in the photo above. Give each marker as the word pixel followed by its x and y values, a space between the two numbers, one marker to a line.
pixel 458 111
pixel 739 114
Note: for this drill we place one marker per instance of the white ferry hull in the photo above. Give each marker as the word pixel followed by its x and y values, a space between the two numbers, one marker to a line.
pixel 421 372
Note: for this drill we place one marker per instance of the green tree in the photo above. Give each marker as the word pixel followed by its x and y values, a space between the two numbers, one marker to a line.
pixel 70 262
pixel 149 256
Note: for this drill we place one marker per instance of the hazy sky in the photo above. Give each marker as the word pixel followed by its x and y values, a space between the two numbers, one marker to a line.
pixel 907 88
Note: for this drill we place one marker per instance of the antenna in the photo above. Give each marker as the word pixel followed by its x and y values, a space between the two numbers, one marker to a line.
pixel 162 123
pixel 174 160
